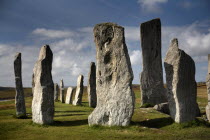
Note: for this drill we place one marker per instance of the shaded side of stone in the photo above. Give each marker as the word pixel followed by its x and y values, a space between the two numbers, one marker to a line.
pixel 56 88
pixel 151 78
pixel 114 75
pixel 163 108
pixel 19 97
pixel 43 99
pixel 91 86
pixel 181 84
pixel 62 98
pixel 79 91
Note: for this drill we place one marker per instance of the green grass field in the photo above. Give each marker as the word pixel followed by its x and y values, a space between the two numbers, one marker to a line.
pixel 71 123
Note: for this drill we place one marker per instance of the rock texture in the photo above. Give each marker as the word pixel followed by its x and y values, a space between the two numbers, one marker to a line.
pixel 69 95
pixel 32 84
pixel 91 86
pixel 79 91
pixel 152 90
pixel 181 84
pixel 56 88
pixel 19 98
pixel 208 90
pixel 62 91
pixel 43 99
pixel 114 75
pixel 163 107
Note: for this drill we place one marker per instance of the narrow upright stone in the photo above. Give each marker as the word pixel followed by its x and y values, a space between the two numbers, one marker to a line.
pixel 43 99
pixel 152 89
pixel 69 95
pixel 91 86
pixel 56 88
pixel 181 84
pixel 79 91
pixel 114 75
pixel 208 90
pixel 19 98
pixel 62 91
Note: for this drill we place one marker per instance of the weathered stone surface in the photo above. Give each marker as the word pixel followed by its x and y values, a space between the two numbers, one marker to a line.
pixel 56 88
pixel 69 95
pixel 208 90
pixel 43 99
pixel 19 97
pixel 163 107
pixel 62 91
pixel 181 84
pixel 79 91
pixel 114 75
pixel 32 83
pixel 91 86
pixel 152 89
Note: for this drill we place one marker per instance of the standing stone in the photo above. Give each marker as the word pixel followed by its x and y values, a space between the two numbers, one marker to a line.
pixel 43 99
pixel 114 75
pixel 181 84
pixel 62 91
pixel 19 98
pixel 91 86
pixel 56 92
pixel 79 91
pixel 208 90
pixel 152 89
pixel 69 95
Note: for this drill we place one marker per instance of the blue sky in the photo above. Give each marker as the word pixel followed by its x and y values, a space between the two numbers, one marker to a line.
pixel 66 25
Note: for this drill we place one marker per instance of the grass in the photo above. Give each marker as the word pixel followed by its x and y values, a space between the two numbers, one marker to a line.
pixel 71 123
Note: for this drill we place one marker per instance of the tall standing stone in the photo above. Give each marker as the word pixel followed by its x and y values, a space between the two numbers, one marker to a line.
pixel 91 86
pixel 114 75
pixel 208 90
pixel 152 89
pixel 181 84
pixel 62 91
pixel 79 91
pixel 56 88
pixel 43 99
pixel 69 95
pixel 19 98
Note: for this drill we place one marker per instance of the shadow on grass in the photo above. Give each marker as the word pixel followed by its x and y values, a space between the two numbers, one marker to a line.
pixel 70 123
pixel 155 123
pixel 69 115
pixel 71 111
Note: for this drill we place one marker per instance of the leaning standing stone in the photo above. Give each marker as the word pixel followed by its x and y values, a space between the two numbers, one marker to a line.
pixel 62 91
pixel 181 84
pixel 43 98
pixel 208 90
pixel 114 75
pixel 79 91
pixel 56 92
pixel 69 95
pixel 19 98
pixel 152 90
pixel 91 86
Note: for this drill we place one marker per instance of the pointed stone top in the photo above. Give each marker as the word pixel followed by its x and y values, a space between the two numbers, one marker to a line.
pixel 17 55
pixel 61 83
pixel 174 43
pixel 92 63
pixel 45 52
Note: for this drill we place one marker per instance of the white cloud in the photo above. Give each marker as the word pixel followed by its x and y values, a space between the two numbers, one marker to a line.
pixel 52 34
pixel 186 4
pixel 136 57
pixel 151 6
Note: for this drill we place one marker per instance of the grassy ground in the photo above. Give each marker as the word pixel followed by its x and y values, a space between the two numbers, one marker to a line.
pixel 71 123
